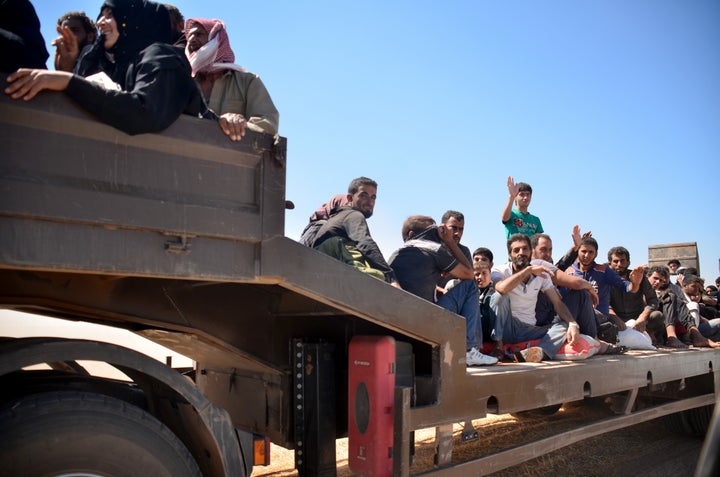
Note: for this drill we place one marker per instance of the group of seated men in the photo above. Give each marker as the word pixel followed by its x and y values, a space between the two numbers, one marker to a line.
pixel 138 67
pixel 528 308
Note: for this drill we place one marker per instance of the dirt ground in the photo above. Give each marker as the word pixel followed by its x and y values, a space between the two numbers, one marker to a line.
pixel 649 449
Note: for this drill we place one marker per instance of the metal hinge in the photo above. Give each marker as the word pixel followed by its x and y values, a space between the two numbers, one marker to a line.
pixel 179 244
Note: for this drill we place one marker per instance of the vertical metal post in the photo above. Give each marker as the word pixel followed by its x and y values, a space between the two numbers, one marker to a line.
pixel 314 408
pixel 401 436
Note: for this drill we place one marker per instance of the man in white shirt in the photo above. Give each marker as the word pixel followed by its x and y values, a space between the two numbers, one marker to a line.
pixel 517 285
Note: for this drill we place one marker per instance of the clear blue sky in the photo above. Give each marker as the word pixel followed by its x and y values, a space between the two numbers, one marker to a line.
pixel 609 109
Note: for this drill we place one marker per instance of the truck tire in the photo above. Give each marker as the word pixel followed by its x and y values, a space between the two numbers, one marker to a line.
pixel 693 422
pixel 73 433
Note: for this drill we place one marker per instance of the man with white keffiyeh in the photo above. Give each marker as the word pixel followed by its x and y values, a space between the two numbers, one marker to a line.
pixel 239 98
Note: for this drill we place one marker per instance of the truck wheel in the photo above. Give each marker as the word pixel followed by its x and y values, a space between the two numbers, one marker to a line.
pixel 73 433
pixel 693 422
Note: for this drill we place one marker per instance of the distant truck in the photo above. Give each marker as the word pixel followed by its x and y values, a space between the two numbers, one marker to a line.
pixel 179 237
pixel 685 252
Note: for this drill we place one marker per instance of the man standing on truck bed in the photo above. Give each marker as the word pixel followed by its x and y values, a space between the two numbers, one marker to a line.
pixel 346 236
pixel 519 220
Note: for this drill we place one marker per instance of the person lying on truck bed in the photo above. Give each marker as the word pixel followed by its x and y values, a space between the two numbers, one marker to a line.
pixel 143 84
pixel 239 98
pixel 428 252
pixel 346 235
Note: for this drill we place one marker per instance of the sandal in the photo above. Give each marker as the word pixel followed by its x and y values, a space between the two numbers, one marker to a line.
pixel 612 349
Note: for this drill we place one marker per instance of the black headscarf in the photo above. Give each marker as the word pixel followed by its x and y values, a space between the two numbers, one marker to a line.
pixel 140 24
pixel 21 43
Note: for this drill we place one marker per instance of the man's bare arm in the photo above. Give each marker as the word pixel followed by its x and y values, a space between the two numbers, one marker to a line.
pixel 563 279
pixel 513 192
pixel 508 284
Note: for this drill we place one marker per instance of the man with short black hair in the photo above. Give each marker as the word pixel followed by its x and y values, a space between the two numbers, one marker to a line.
pixel 519 220
pixel 517 285
pixel 641 306
pixel 346 236
pixel 602 277
pixel 429 252
pixel 579 296
pixel 483 254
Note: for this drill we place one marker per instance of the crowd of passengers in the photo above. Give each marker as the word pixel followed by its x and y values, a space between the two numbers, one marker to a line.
pixel 525 310
pixel 140 65
pixel 137 67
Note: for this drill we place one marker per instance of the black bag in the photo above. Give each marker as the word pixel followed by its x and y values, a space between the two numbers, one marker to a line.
pixel 608 332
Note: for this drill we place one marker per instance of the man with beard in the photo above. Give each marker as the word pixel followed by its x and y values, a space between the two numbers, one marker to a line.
pixel 580 296
pixel 517 285
pixel 602 277
pixel 641 306
pixel 239 98
pixel 76 32
pixel 346 236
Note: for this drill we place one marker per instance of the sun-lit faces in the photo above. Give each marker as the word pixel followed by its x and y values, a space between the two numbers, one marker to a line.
pixel 482 275
pixel 456 227
pixel 586 255
pixel 658 280
pixel 108 26
pixel 523 199
pixel 520 254
pixel 364 200
pixel 77 28
pixel 543 250
pixel 619 263
pixel 197 37
pixel 693 290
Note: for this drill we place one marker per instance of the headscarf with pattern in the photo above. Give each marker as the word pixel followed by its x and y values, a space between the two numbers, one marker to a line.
pixel 214 56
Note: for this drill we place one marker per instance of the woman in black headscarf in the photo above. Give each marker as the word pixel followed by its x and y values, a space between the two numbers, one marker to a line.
pixel 132 50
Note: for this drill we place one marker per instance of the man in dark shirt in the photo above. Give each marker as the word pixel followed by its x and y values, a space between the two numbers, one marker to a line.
pixel 429 252
pixel 641 306
pixel 346 236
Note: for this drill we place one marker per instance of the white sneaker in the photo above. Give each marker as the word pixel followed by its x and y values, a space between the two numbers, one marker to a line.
pixel 476 358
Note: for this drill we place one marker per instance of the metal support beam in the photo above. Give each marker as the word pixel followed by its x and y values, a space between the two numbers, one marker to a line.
pixel 401 438
pixel 314 408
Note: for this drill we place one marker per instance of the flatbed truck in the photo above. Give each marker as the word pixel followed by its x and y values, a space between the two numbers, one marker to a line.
pixel 179 237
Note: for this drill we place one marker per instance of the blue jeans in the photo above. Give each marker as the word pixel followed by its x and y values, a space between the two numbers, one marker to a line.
pixel 709 328
pixel 581 308
pixel 462 299
pixel 511 330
